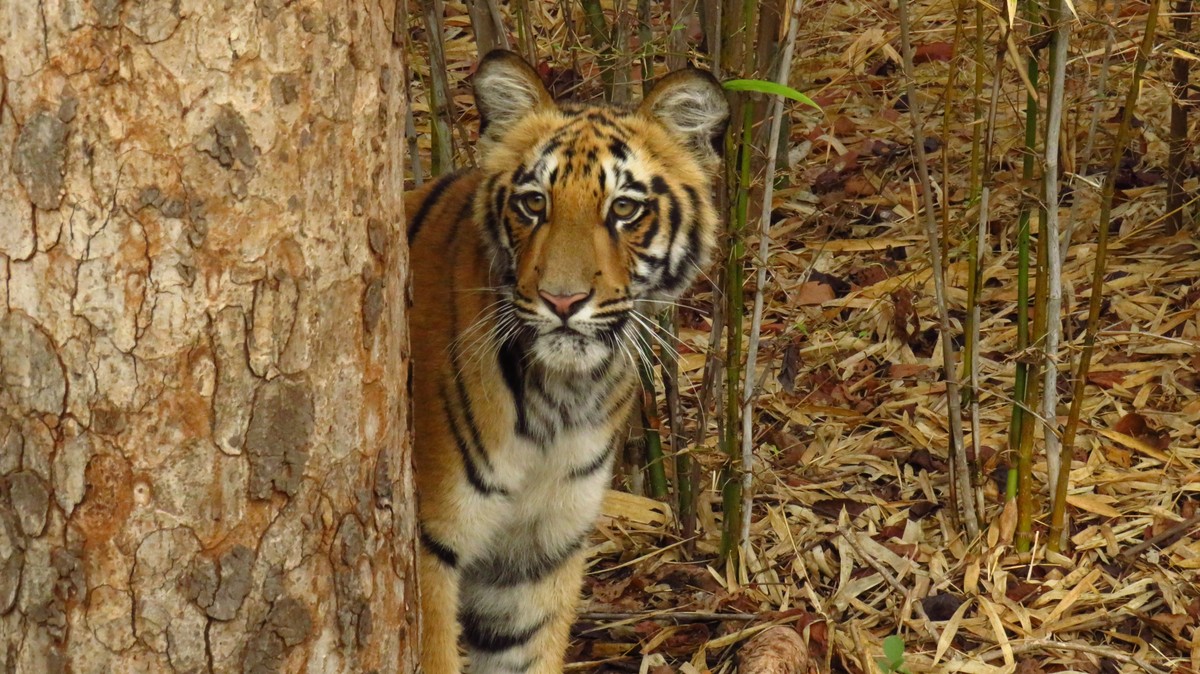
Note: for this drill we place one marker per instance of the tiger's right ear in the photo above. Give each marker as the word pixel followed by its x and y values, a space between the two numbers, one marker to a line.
pixel 506 89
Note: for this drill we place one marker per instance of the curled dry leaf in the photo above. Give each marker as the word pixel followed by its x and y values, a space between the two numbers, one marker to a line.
pixel 779 650
pixel 813 293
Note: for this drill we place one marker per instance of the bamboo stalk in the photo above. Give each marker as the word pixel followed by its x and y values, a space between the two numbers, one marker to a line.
pixel 1058 512
pixel 1177 152
pixel 977 107
pixel 731 485
pixel 646 40
pixel 764 249
pixel 954 403
pixel 685 488
pixel 441 141
pixel 489 33
pixel 1059 38
pixel 525 34
pixel 977 245
pixel 1021 376
pixel 731 489
pixel 681 12
pixel 1032 391
pixel 622 58
pixel 1084 167
pixel 597 26
pixel 655 466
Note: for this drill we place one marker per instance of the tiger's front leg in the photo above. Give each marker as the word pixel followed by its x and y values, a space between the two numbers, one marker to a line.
pixel 439 623
pixel 522 627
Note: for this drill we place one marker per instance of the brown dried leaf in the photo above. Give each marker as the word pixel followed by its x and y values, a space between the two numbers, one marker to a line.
pixel 833 507
pixel 812 294
pixel 934 51
pixel 1106 379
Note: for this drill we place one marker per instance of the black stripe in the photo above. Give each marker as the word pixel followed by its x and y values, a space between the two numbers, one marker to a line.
pixel 472 469
pixel 675 268
pixel 599 462
pixel 531 566
pixel 443 552
pixel 619 149
pixel 652 229
pixel 464 404
pixel 525 176
pixel 499 200
pixel 467 210
pixel 511 356
pixel 435 193
pixel 490 636
pixel 630 183
pixel 675 216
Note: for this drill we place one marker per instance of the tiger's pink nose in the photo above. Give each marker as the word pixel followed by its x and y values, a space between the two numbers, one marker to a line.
pixel 564 305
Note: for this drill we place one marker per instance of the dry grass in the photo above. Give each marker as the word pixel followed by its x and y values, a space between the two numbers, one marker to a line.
pixel 850 539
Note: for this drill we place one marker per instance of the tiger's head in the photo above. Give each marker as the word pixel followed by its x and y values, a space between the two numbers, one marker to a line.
pixel 592 212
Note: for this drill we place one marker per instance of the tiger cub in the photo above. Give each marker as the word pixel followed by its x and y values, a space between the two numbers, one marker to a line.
pixel 528 276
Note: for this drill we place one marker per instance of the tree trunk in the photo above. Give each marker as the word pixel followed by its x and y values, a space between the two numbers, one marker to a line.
pixel 204 458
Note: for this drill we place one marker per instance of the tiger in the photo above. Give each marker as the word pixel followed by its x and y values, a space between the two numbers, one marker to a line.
pixel 529 277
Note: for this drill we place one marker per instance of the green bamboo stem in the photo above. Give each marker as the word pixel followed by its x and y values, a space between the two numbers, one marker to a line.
pixel 1058 513
pixel 976 245
pixel 1033 388
pixel 731 485
pixel 651 422
pixel 685 488
pixel 1178 143
pixel 645 38
pixel 977 107
pixel 593 15
pixel 1027 167
pixel 441 140
pixel 525 32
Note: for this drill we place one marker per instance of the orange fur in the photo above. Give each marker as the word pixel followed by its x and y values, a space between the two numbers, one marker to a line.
pixel 527 280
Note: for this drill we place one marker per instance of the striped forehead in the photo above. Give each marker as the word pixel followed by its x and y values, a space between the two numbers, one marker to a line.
pixel 591 146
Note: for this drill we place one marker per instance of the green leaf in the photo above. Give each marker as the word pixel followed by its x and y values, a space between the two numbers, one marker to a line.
pixel 772 88
pixel 893 650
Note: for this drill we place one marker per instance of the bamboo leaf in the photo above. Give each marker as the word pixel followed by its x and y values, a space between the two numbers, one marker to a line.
pixel 772 88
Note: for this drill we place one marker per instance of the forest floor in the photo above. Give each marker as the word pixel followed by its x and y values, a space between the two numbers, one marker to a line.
pixel 853 536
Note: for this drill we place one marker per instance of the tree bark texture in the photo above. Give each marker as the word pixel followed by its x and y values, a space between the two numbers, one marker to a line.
pixel 204 459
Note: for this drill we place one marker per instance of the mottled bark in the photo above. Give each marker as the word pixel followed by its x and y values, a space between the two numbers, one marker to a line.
pixel 204 463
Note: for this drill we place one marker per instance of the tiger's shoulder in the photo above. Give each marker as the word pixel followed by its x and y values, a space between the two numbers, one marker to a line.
pixel 441 204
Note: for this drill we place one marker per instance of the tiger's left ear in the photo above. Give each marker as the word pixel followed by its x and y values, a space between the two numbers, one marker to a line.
pixel 506 89
pixel 691 105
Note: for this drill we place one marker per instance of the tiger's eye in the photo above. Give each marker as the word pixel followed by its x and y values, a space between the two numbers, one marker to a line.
pixel 534 202
pixel 625 208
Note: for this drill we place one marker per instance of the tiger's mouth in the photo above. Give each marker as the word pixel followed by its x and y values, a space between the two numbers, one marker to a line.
pixel 574 345
pixel 569 351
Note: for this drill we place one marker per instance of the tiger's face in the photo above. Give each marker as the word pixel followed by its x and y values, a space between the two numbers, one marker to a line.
pixel 595 217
